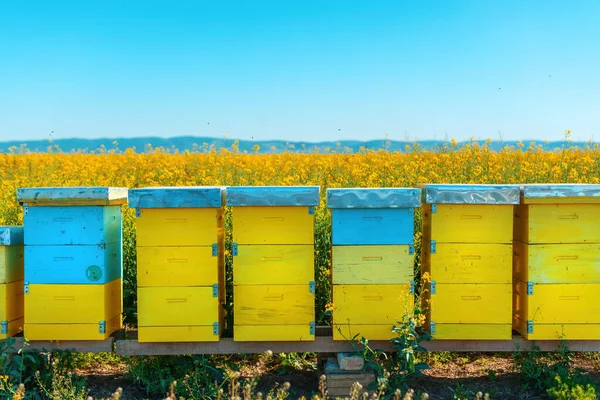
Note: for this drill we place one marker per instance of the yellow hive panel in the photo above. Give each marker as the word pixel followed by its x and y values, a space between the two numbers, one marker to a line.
pixel 70 331
pixel 274 265
pixel 371 304
pixel 572 303
pixel 370 332
pixel 273 225
pixel 558 223
pixel 177 266
pixel 73 304
pixel 11 301
pixel 469 263
pixel 557 263
pixel 174 306
pixel 470 223
pixel 169 334
pixel 488 303
pixel 273 305
pixel 558 331
pixel 371 265
pixel 11 263
pixel 272 333
pixel 473 331
pixel 14 327
pixel 178 226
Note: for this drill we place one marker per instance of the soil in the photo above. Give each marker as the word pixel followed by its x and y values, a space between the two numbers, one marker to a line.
pixel 455 374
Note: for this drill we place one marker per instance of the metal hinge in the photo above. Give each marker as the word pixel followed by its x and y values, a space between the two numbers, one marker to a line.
pixel 529 288
pixel 25 209
pixel 432 329
pixel 311 210
pixel 215 250
pixel 234 249
pixel 411 249
pixel 312 328
pixel 215 328
pixel 311 287
pixel 102 327
pixel 216 290
pixel 138 212
pixel 432 247
pixel 433 208
pixel 26 288
pixel 433 287
pixel 412 288
pixel 4 327
pixel 529 326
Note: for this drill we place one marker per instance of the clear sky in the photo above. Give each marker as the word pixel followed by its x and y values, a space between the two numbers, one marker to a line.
pixel 300 70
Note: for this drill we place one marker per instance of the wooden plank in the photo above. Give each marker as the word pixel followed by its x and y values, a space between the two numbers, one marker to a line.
pixel 78 346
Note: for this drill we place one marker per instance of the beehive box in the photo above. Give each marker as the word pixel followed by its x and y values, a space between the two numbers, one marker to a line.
pixel 273 262
pixel 372 259
pixel 11 280
pixel 180 263
pixel 467 251
pixel 73 262
pixel 556 258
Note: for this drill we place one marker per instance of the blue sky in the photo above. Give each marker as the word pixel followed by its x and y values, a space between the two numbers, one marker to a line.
pixel 300 70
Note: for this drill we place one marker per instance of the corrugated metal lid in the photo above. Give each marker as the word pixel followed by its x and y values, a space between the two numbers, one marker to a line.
pixel 470 194
pixel 373 198
pixel 72 196
pixel 177 197
pixel 11 235
pixel 241 196
pixel 560 190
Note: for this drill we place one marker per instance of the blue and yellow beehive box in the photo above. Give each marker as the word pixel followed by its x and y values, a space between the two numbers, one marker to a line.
pixel 11 280
pixel 372 259
pixel 557 262
pixel 273 262
pixel 73 262
pixel 180 263
pixel 467 251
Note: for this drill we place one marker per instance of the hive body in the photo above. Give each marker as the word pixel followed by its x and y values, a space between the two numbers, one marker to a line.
pixel 557 262
pixel 180 263
pixel 11 280
pixel 273 262
pixel 73 262
pixel 467 252
pixel 372 260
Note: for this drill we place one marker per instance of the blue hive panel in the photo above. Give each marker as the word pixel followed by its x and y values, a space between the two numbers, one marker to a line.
pixel 73 264
pixel 83 225
pixel 177 197
pixel 285 196
pixel 11 235
pixel 366 226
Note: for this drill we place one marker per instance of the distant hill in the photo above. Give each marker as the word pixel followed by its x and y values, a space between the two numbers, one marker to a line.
pixel 200 144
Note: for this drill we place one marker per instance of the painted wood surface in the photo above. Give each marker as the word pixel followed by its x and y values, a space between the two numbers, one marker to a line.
pixel 557 223
pixel 169 334
pixel 73 304
pixel 71 331
pixel 469 223
pixel 557 263
pixel 273 305
pixel 456 303
pixel 347 331
pixel 76 225
pixel 177 266
pixel 361 265
pixel 274 265
pixel 11 308
pixel 272 333
pixel 371 304
pixel 469 263
pixel 583 331
pixel 177 197
pixel 372 226
pixel 73 264
pixel 11 263
pixel 181 306
pixel 178 226
pixel 278 196
pixel 73 196
pixel 273 225
pixel 11 235
pixel 446 331
pixel 373 198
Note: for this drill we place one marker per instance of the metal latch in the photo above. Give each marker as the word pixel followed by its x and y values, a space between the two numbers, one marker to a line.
pixel 26 288
pixel 432 329
pixel 432 247
pixel 4 327
pixel 138 212
pixel 433 208
pixel 215 250
pixel 234 249
pixel 311 287
pixel 433 287
pixel 102 327
pixel 311 210
pixel 215 328
pixel 529 326
pixel 25 209
pixel 411 249
pixel 312 328
pixel 412 288
pixel 216 290
pixel 529 288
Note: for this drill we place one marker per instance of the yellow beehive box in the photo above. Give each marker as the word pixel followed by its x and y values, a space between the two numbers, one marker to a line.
pixel 273 262
pixel 11 280
pixel 557 251
pixel 180 263
pixel 72 312
pixel 372 265
pixel 468 253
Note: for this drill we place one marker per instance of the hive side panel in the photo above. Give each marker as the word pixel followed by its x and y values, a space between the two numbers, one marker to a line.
pixel 177 227
pixel 470 223
pixel 273 225
pixel 359 265
pixel 376 226
pixel 273 265
pixel 273 305
pixel 564 223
